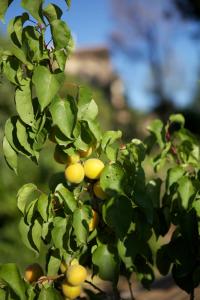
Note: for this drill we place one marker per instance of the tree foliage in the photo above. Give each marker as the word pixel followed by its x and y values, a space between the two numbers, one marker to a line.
pixel 136 208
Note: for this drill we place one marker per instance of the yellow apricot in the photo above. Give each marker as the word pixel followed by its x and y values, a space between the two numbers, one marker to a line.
pixel 73 159
pixel 70 291
pixel 74 173
pixel 33 272
pixel 76 274
pixel 98 191
pixel 93 168
pixel 85 153
pixel 94 221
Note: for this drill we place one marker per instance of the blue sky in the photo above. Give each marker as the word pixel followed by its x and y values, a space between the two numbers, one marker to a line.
pixel 91 23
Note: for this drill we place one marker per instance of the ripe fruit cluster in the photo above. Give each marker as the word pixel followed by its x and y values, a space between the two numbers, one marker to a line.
pixel 75 275
pixel 76 170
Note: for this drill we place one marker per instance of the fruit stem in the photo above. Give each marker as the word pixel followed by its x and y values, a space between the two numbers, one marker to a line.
pixel 50 278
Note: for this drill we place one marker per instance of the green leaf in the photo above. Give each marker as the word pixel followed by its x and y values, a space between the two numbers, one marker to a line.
pixel 157 129
pixel 61 57
pixel 50 84
pixel 68 3
pixel 81 218
pixel 173 175
pixel 60 34
pixel 116 209
pixel 33 44
pixel 26 194
pixel 43 206
pixel 4 4
pixel 23 102
pixel 10 155
pixel 196 206
pixel 137 150
pixel 15 28
pixel 64 112
pixel 58 232
pixel 113 179
pixel 25 231
pixel 107 262
pixel 34 7
pixel 88 111
pixel 186 191
pixel 66 197
pixel 9 273
pixel 177 118
pixel 122 251
pixel 49 293
pixel 54 262
pixel 10 67
pixel 109 137
pixel 36 233
pixel 52 12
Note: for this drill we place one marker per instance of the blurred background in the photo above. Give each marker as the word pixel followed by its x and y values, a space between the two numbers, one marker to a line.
pixel 141 59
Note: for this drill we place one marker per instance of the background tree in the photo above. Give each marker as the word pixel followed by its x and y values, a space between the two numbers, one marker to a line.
pixel 145 33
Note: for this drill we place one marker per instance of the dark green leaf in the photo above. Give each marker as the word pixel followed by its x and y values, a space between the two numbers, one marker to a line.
pixel 4 4
pixel 34 7
pixel 10 155
pixel 117 213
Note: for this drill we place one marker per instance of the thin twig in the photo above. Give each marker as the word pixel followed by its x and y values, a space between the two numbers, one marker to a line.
pixel 95 287
pixel 130 289
pixel 50 278
pixel 192 295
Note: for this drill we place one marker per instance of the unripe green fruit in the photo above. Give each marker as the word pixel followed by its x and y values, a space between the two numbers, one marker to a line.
pixel 74 173
pixel 93 168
